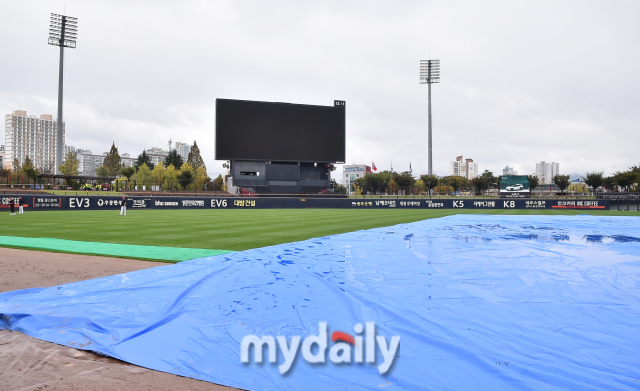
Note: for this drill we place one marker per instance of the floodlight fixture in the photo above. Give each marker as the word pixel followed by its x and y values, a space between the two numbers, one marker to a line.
pixel 63 32
pixel 430 73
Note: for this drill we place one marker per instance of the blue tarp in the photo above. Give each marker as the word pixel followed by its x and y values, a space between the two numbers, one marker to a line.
pixel 479 302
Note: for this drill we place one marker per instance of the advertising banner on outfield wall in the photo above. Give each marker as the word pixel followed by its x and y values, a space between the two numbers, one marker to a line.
pixel 514 186
pixel 51 202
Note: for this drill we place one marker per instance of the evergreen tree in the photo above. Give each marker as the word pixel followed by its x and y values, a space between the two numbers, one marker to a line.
pixel 185 176
pixel 127 172
pixel 143 158
pixel 112 162
pixel 194 159
pixel 29 170
pixel 173 159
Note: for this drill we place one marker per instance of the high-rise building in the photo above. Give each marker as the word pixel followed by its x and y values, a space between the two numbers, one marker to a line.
pixel 156 155
pixel 183 150
pixel 33 137
pixel 466 168
pixel 2 156
pixel 67 149
pixel 546 171
pixel 509 171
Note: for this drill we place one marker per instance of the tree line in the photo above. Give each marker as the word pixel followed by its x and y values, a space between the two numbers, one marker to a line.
pixel 171 174
pixel 387 182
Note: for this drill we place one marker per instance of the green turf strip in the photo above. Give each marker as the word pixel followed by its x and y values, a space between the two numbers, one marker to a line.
pixel 175 254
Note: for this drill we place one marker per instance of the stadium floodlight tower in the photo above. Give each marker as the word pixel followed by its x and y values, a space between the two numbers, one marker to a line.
pixel 430 73
pixel 63 32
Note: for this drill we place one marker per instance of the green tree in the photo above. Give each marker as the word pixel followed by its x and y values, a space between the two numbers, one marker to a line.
pixel 404 180
pixel 359 186
pixel 562 181
pixel 170 180
pixel 29 170
pixel 185 176
pixel 625 179
pixel 194 159
pixel 127 172
pixel 143 175
pixel 479 183
pixel 340 189
pixel 143 158
pixel 173 159
pixel 374 182
pixel 112 161
pixel 457 182
pixel 493 182
pixel 430 181
pixel 594 179
pixel 534 181
pixel 610 183
pixel 443 189
pixel 15 167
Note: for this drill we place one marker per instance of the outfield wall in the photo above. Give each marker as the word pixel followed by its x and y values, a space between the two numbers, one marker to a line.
pixel 52 202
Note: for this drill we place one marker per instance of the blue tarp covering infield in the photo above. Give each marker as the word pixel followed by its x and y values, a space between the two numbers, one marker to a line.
pixel 557 298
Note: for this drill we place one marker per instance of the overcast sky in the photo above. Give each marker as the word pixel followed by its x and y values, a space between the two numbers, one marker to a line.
pixel 522 81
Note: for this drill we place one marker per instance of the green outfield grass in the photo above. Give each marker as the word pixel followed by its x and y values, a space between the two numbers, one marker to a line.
pixel 225 229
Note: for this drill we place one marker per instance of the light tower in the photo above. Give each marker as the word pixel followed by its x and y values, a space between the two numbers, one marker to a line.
pixel 430 73
pixel 63 32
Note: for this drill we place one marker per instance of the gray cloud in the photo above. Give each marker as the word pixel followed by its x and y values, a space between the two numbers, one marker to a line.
pixel 521 81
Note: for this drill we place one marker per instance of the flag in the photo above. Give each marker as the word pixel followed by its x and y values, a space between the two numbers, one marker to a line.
pixel 373 165
pixel 20 179
pixel 410 170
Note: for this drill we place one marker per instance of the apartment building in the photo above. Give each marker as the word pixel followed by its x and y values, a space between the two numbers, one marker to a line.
pixel 509 171
pixel 546 171
pixel 465 168
pixel 35 137
pixel 183 150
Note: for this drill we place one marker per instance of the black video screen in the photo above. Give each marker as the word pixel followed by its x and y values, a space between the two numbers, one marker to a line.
pixel 247 130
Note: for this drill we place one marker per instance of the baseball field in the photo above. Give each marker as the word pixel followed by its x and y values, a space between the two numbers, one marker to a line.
pixel 89 246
